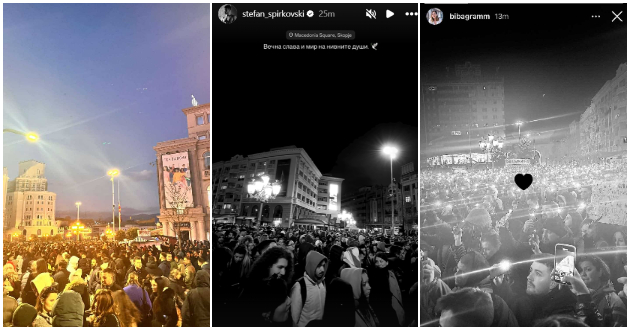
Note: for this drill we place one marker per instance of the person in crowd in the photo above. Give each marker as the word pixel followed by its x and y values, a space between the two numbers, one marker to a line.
pixel 592 234
pixel 165 266
pixel 9 304
pixel 335 263
pixel 620 258
pixel 125 310
pixel 140 298
pixel 62 277
pixel 103 309
pixel 78 285
pixel 137 268
pixel 24 315
pixel 560 321
pixel 38 266
pixel 386 295
pixel 44 306
pixel 172 263
pixel 84 264
pixel 596 275
pixel 166 310
pixel 431 289
pixel 308 294
pixel 108 280
pixel 466 307
pixel 196 309
pixel 189 276
pixel 339 309
pixel 68 310
pixel 237 270
pixel 359 280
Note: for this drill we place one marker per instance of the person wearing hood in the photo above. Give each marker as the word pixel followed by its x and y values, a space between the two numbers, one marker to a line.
pixel 364 315
pixel 311 306
pixel 431 289
pixel 24 315
pixel 73 264
pixel 596 275
pixel 68 310
pixel 387 298
pixel 78 285
pixel 336 253
pixel 302 251
pixel 196 309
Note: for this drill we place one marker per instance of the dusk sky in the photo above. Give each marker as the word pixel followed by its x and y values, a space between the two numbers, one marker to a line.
pixel 552 67
pixel 102 84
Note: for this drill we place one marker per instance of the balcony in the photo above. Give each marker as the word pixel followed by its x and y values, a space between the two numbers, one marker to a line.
pixel 206 173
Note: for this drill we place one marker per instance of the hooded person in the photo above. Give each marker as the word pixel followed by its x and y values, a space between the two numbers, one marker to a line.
pixel 303 251
pixel 336 253
pixel 41 281
pixel 68 310
pixel 432 289
pixel 78 285
pixel 24 315
pixel 308 294
pixel 196 309
pixel 364 315
pixel 73 264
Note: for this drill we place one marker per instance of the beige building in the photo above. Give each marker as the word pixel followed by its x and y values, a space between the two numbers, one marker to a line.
pixel 191 156
pixel 329 198
pixel 29 208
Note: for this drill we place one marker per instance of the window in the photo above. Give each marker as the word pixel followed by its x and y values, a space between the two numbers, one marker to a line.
pixel 323 191
pixel 223 187
pixel 272 162
pixel 199 120
pixel 407 199
pixel 241 177
pixel 206 159
pixel 221 197
pixel 252 166
pixel 208 118
pixel 231 185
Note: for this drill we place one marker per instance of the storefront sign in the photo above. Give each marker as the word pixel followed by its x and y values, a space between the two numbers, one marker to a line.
pixel 518 161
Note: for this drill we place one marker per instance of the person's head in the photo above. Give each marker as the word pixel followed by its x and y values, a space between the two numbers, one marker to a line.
pixel 265 245
pixel 133 279
pixel 320 269
pixel 46 299
pixel 39 266
pixel 434 15
pixel 490 244
pixel 470 269
pixel 466 307
pixel 137 263
pixel 169 257
pixel 239 254
pixel 187 259
pixel 560 321
pixel 228 9
pixel 620 238
pixel 593 270
pixel 93 263
pixel 539 279
pixel 589 229
pixel 103 302
pixel 62 265
pixel 125 309
pixel 365 284
pixel 162 256
pixel 74 262
pixel 381 260
pixel 396 251
pixel 107 277
pixel 275 289
pixel 176 274
pixel 275 261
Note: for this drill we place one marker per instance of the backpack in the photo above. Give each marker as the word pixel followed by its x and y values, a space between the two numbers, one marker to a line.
pixel 302 283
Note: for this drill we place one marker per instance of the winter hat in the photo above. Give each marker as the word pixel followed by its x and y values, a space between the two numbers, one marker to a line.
pixel 381 247
pixel 556 226
pixel 24 315
pixel 153 269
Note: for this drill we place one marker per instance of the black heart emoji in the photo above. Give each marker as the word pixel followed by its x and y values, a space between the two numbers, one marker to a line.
pixel 523 181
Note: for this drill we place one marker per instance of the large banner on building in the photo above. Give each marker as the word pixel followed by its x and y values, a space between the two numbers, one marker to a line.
pixel 177 184
pixel 282 175
pixel 333 191
pixel 518 161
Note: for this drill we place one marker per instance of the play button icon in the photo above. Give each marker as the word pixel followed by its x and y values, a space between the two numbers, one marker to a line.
pixel 389 13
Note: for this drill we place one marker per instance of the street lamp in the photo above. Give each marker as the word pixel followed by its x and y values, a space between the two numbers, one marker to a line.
pixel 346 217
pixel 392 152
pixel 261 190
pixel 113 173
pixel 30 136
pixel 78 204
pixel 519 124
pixel 490 144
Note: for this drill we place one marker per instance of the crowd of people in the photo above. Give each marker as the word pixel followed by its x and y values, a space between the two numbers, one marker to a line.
pixel 488 247
pixel 106 284
pixel 274 276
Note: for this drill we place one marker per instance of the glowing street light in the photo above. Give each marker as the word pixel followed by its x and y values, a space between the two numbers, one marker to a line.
pixel 30 136
pixel 113 173
pixel 261 190
pixel 392 152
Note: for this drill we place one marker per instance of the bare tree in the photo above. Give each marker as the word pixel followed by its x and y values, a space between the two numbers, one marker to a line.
pixel 176 198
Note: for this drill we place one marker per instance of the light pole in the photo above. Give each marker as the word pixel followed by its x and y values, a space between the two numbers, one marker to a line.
pixel 78 204
pixel 30 136
pixel 263 191
pixel 519 123
pixel 490 145
pixel 119 220
pixel 113 173
pixel 392 152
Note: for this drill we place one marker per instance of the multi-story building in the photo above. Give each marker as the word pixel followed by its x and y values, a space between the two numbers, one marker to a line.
pixel 329 198
pixel 371 206
pixel 409 180
pixel 183 169
pixel 29 206
pixel 460 106
pixel 603 125
pixel 300 197
pixel 5 185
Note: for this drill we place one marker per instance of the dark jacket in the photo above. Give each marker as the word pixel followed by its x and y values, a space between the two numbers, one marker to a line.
pixel 165 266
pixel 503 316
pixel 62 278
pixel 196 310
pixel 68 310
pixel 177 287
pixel 84 264
pixel 610 306
pixel 81 288
pixel 142 274
pixel 28 296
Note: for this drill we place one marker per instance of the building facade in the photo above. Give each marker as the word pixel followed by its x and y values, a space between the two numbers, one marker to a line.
pixel 459 107
pixel 371 206
pixel 329 198
pixel 299 196
pixel 602 126
pixel 29 207
pixel 409 181
pixel 183 170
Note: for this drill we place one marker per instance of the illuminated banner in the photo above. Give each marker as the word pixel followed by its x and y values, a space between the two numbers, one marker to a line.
pixel 176 176
pixel 333 192
pixel 456 132
pixel 373 211
pixel 518 161
pixel 144 232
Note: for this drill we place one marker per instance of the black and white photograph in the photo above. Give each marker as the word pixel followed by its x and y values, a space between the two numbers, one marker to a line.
pixel 314 167
pixel 523 166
